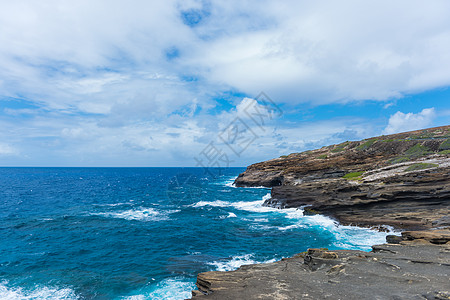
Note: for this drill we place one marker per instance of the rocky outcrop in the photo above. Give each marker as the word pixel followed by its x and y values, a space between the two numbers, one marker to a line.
pixel 401 180
pixel 391 271
pixel 336 161
pixel 411 200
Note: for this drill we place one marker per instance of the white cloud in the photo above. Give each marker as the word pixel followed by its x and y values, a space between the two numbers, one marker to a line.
pixel 400 122
pixel 128 81
pixel 330 51
pixel 61 53
pixel 6 149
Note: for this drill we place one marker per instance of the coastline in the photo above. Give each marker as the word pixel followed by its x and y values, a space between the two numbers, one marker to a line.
pixel 400 180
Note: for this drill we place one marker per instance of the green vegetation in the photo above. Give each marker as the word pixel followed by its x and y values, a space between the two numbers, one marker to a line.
pixel 420 166
pixel 415 151
pixel 388 140
pixel 445 145
pixel 444 152
pixel 353 176
pixel 283 156
pixel 340 147
pixel 323 156
pixel 397 160
pixel 367 144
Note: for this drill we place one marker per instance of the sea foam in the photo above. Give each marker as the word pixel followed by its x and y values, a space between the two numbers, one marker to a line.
pixel 348 237
pixel 38 293
pixel 139 214
pixel 237 261
pixel 167 289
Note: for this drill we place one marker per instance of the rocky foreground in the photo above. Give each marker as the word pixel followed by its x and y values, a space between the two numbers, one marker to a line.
pixel 401 180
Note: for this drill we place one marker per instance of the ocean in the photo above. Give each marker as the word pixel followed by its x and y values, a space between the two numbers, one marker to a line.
pixel 143 233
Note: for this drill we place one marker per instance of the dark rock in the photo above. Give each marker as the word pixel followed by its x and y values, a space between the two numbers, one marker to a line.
pixel 394 239
pixel 442 222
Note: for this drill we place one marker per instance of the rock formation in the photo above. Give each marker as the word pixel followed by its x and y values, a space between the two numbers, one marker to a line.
pixel 401 180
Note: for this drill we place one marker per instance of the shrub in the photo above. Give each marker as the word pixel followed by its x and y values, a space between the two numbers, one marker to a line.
pixel 323 156
pixel 353 175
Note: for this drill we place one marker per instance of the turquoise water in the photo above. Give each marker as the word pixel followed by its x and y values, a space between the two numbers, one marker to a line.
pixel 142 233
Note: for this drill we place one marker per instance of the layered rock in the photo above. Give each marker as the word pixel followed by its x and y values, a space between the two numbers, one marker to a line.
pixel 416 271
pixel 401 180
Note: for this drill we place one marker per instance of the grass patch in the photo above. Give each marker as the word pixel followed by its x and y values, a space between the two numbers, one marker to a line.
pixel 283 156
pixel 388 141
pixel 340 147
pixel 444 152
pixel 366 145
pixel 417 150
pixel 414 152
pixel 445 145
pixel 353 176
pixel 323 156
pixel 397 160
pixel 420 166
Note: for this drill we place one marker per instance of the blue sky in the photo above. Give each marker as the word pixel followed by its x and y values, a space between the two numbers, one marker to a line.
pixel 155 83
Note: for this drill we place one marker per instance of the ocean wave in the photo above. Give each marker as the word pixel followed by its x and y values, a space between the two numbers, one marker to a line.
pixel 38 293
pixel 115 204
pixel 167 289
pixel 348 237
pixel 230 215
pixel 236 262
pixel 139 214
pixel 251 206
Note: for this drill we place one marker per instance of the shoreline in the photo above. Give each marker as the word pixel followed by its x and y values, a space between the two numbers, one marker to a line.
pixel 273 280
pixel 401 180
pixel 293 276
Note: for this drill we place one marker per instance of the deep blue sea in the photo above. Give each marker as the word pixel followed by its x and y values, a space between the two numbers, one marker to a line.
pixel 143 233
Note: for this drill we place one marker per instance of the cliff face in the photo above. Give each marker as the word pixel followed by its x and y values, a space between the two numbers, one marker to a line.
pixel 401 180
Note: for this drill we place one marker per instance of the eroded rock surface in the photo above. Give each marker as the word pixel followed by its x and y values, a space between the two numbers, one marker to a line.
pixel 417 271
pixel 401 180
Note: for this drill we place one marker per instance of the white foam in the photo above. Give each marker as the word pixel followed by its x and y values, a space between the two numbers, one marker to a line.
pixel 217 203
pixel 348 237
pixel 116 204
pixel 38 293
pixel 236 262
pixel 139 214
pixel 230 184
pixel 168 289
pixel 231 215
pixel 251 206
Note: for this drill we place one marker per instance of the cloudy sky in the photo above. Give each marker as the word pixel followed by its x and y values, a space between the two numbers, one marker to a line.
pixel 158 83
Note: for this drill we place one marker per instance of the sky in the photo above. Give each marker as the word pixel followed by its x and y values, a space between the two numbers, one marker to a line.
pixel 214 83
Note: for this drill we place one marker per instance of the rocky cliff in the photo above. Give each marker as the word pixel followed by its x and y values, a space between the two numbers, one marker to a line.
pixel 402 180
